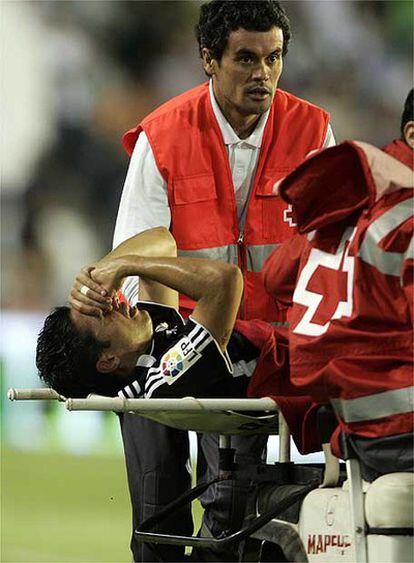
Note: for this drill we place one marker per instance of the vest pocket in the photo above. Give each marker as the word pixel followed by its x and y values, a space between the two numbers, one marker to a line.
pixel 194 189
pixel 195 214
pixel 276 223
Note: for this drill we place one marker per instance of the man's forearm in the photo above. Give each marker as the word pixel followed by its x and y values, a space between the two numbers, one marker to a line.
pixel 215 286
pixel 193 277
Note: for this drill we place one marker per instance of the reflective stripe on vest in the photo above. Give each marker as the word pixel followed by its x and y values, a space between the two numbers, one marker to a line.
pixel 228 253
pixel 256 254
pixel 375 406
pixel 386 262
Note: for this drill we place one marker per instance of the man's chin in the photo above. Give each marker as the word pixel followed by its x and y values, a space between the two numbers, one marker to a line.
pixel 257 107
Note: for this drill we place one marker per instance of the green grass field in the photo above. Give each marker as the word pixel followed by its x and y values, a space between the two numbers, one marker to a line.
pixel 63 508
pixel 58 507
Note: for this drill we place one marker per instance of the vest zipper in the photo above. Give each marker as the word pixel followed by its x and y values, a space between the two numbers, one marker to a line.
pixel 242 264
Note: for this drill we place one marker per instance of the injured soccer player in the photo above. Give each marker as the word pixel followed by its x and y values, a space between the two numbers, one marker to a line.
pixel 102 345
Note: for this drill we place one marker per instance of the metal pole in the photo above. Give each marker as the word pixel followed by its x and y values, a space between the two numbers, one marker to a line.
pixel 284 440
pixel 34 394
pixel 186 404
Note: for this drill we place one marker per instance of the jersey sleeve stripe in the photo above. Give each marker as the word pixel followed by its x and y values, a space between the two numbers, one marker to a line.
pixel 132 391
pixel 129 392
pixel 155 386
pixel 224 354
pixel 153 376
pixel 197 333
pixel 201 343
pixel 153 379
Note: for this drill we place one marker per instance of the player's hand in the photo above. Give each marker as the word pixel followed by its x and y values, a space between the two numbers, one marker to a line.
pixel 89 297
pixel 109 274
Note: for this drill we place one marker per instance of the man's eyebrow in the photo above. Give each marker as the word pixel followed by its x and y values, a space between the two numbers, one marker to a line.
pixel 245 51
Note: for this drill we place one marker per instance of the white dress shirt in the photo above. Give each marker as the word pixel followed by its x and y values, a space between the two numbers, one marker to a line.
pixel 144 200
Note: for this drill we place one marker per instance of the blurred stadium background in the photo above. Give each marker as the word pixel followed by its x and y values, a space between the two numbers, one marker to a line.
pixel 74 76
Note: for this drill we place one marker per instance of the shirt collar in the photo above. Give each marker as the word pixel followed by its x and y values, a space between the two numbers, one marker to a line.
pixel 229 135
pixel 147 360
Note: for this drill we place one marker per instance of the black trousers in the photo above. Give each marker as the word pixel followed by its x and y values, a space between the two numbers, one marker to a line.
pixel 156 458
pixel 378 456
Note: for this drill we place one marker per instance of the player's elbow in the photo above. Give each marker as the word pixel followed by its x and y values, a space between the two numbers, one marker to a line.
pixel 166 241
pixel 230 282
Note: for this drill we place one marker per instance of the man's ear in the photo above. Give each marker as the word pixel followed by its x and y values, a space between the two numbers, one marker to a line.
pixel 409 133
pixel 209 63
pixel 107 363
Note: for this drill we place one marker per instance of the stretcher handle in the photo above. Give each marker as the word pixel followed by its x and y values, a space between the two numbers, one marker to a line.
pixel 238 536
pixel 44 394
pixel 185 404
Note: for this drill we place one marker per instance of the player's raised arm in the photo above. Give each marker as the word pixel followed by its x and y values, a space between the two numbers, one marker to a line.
pixel 91 298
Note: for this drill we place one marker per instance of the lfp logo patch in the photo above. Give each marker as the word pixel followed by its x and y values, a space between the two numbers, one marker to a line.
pixel 172 363
pixel 178 359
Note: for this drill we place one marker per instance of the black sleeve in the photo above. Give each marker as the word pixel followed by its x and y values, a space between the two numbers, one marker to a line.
pixel 193 366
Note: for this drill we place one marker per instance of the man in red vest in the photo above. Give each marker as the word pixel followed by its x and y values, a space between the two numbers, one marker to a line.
pixel 204 165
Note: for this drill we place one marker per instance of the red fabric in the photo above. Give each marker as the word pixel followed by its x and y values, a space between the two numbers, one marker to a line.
pixel 191 156
pixel 350 319
pixel 357 175
pixel 300 415
pixel 401 151
pixel 271 379
pixel 344 171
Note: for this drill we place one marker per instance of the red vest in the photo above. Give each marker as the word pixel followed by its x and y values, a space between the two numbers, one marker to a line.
pixel 191 156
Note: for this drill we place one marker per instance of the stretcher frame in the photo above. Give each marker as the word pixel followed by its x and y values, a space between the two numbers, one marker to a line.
pixel 269 421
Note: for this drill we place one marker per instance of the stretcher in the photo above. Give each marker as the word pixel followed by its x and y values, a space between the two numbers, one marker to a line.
pixel 297 512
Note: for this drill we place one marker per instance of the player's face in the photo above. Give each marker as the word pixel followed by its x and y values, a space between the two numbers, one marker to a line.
pixel 246 77
pixel 128 329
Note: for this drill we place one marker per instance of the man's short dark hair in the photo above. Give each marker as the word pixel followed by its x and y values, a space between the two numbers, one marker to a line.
pixel 408 112
pixel 66 358
pixel 219 18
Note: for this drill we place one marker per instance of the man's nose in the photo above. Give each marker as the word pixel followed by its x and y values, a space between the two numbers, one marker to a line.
pixel 261 72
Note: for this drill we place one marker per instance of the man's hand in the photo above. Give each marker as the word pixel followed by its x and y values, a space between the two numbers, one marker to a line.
pixel 109 274
pixel 95 286
pixel 88 296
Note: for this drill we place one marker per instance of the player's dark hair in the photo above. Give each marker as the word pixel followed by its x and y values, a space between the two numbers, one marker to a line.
pixel 219 18
pixel 66 358
pixel 408 112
